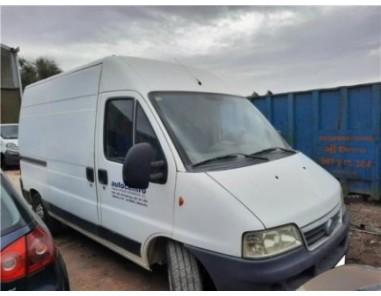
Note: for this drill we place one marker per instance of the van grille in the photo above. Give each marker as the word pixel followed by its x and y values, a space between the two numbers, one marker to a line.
pixel 321 231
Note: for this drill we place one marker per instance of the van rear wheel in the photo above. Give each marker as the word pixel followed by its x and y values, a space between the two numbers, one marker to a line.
pixel 184 273
pixel 38 207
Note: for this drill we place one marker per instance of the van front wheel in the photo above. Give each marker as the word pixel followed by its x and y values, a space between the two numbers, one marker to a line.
pixel 184 273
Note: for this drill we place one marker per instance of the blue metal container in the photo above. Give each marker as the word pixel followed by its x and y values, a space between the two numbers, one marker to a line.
pixel 340 128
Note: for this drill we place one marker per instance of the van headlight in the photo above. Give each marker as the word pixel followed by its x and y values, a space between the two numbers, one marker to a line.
pixel 11 146
pixel 267 243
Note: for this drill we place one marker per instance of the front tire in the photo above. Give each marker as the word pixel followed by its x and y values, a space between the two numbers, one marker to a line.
pixel 184 273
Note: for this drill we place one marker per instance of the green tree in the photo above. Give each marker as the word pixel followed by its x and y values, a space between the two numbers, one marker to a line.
pixel 41 68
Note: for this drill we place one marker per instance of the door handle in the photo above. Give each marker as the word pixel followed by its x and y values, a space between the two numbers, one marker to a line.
pixel 102 176
pixel 90 174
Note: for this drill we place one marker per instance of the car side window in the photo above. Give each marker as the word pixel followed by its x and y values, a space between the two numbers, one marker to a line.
pixel 118 130
pixel 144 133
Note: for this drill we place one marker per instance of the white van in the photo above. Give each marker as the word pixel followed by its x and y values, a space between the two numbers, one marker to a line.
pixel 164 164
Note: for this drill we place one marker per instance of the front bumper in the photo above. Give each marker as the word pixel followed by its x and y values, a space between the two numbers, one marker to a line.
pixel 11 158
pixel 284 272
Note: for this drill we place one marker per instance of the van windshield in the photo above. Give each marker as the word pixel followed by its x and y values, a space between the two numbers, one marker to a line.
pixel 9 131
pixel 206 126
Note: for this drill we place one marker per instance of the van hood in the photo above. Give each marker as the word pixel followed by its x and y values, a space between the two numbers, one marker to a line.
pixel 293 189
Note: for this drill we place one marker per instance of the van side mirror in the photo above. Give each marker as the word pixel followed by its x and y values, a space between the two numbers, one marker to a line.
pixel 137 166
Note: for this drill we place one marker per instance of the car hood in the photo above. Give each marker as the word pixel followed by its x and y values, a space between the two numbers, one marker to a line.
pixel 293 189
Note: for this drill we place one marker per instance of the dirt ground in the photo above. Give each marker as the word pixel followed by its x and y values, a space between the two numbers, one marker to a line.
pixel 365 233
pixel 93 267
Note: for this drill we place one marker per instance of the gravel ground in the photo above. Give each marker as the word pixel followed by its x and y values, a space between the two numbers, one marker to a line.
pixel 93 267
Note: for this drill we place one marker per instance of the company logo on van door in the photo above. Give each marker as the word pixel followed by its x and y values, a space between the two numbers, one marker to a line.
pixel 125 193
pixel 122 186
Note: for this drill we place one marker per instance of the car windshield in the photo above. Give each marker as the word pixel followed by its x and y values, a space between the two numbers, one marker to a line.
pixel 9 131
pixel 204 126
pixel 10 214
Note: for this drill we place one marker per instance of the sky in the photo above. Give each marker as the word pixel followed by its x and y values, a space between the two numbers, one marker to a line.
pixel 255 48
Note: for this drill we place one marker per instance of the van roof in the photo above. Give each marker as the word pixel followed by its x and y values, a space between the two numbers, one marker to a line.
pixel 145 75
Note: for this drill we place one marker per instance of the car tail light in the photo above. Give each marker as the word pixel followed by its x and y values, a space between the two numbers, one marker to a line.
pixel 40 249
pixel 13 261
pixel 28 254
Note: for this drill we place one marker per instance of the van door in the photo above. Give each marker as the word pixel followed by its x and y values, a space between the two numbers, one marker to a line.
pixel 130 216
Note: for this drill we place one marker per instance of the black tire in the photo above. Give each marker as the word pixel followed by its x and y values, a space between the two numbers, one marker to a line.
pixel 184 273
pixel 38 207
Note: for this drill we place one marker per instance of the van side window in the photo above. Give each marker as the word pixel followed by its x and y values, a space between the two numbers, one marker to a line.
pixel 144 133
pixel 118 131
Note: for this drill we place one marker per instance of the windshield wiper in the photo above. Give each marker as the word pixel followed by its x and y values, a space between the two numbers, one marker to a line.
pixel 234 155
pixel 274 149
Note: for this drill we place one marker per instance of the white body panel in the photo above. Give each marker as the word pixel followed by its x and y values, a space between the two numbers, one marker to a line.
pixel 211 218
pixel 58 126
pixel 287 190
